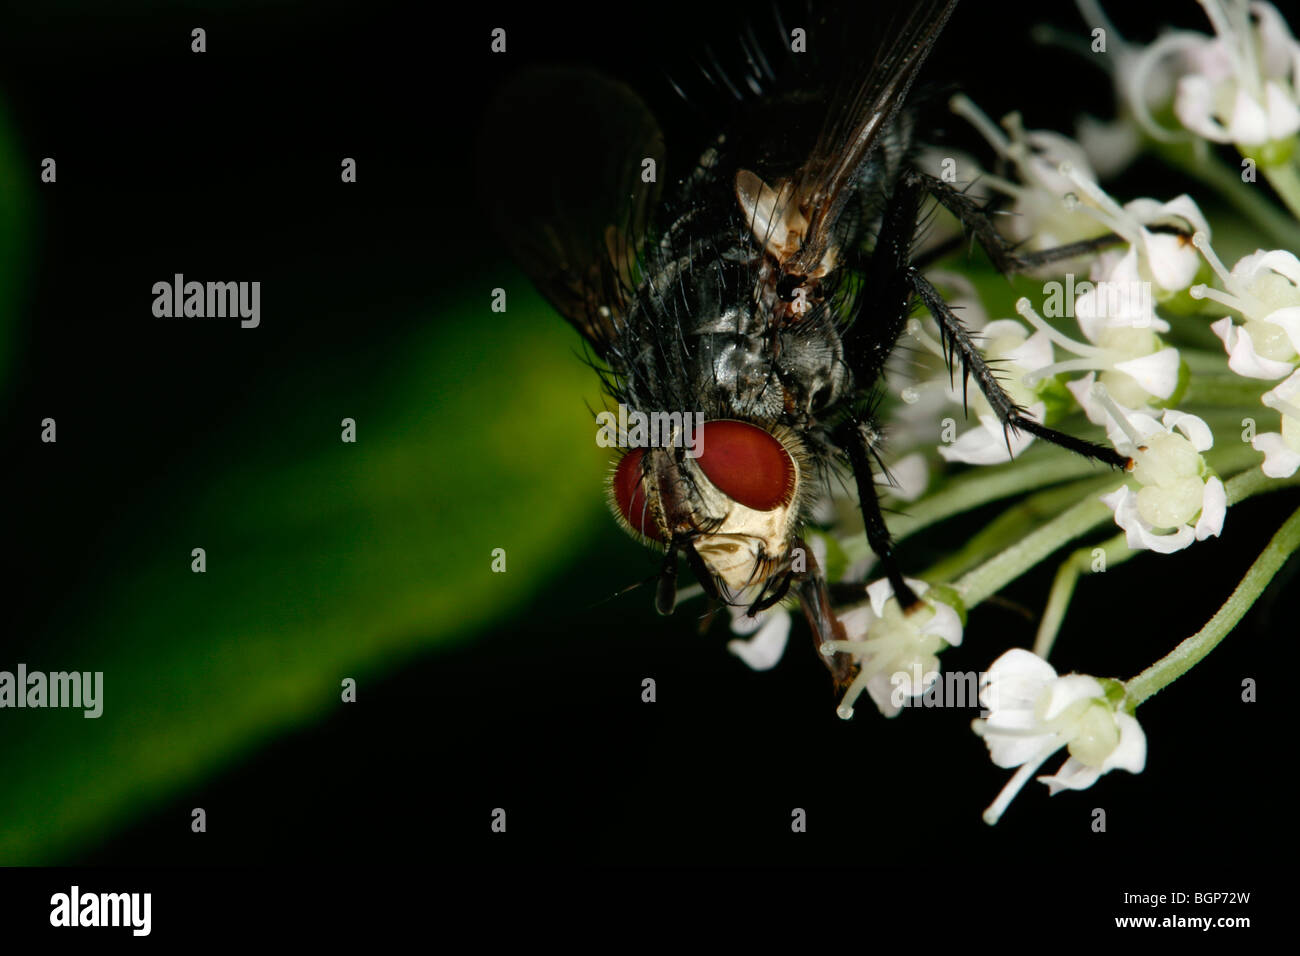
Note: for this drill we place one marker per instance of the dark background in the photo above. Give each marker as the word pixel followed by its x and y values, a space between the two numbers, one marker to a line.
pixel 226 164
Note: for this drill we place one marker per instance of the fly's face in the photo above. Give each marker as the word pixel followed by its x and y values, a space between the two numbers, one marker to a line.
pixel 731 503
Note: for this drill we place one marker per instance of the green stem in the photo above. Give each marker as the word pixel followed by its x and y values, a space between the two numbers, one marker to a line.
pixel 994 574
pixel 1202 361
pixel 1191 651
pixel 1233 457
pixel 976 488
pixel 1114 551
pixel 1286 183
pixel 1227 182
pixel 1220 390
pixel 1017 521
pixel 1006 566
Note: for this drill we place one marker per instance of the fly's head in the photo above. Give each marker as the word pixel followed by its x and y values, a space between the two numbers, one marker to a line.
pixel 730 502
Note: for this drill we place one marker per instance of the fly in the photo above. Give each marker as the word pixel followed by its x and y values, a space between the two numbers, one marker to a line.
pixel 761 295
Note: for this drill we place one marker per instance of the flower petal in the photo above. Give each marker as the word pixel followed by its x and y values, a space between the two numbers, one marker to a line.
pixel 1214 509
pixel 1242 358
pixel 1081 389
pixel 764 650
pixel 946 623
pixel 879 592
pixel 1014 681
pixel 1281 261
pixel 1137 534
pixel 1194 107
pixel 1011 750
pixel 1279 460
pixel 881 690
pixel 1288 320
pixel 1197 432
pixel 1249 124
pixel 911 477
pixel 857 622
pixel 1065 691
pixel 1173 263
pixel 1156 373
pixel 1131 752
pixel 1073 775
pixel 1283 117
pixel 987 444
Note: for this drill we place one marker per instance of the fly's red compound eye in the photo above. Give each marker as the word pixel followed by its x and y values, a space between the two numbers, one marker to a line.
pixel 629 495
pixel 747 464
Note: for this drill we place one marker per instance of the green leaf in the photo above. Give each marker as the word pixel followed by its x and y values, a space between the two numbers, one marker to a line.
pixel 325 560
pixel 15 213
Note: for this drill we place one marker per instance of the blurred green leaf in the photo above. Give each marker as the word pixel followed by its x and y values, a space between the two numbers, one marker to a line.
pixel 325 560
pixel 15 210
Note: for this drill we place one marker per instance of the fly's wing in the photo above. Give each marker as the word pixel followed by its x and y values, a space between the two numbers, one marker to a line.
pixel 859 113
pixel 564 160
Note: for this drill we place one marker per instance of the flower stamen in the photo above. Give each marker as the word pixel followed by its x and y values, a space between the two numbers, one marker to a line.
pixel 1102 397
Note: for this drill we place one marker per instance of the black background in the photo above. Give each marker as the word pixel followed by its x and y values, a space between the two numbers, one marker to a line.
pixel 226 163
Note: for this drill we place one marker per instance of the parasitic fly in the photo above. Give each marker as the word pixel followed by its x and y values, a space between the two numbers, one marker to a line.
pixel 760 293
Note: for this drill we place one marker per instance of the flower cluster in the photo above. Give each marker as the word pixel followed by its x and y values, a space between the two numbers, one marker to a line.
pixel 896 651
pixel 1033 713
pixel 1144 369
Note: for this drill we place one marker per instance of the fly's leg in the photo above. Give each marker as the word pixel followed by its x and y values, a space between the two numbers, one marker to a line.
pixel 957 339
pixel 976 216
pixel 777 595
pixel 815 599
pixel 897 283
pixel 1005 258
pixel 854 436
pixel 868 343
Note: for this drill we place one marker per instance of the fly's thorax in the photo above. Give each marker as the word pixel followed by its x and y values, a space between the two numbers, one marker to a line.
pixel 701 337
pixel 737 503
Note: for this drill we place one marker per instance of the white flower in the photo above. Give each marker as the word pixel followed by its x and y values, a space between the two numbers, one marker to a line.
pixel 1242 87
pixel 1118 317
pixel 925 377
pixel 1058 201
pixel 1164 260
pixel 1282 449
pixel 1179 500
pixel 910 477
pixel 768 632
pixel 1033 713
pixel 1110 147
pixel 1129 355
pixel 1041 218
pixel 1142 77
pixel 890 645
pixel 1014 353
pixel 1264 289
